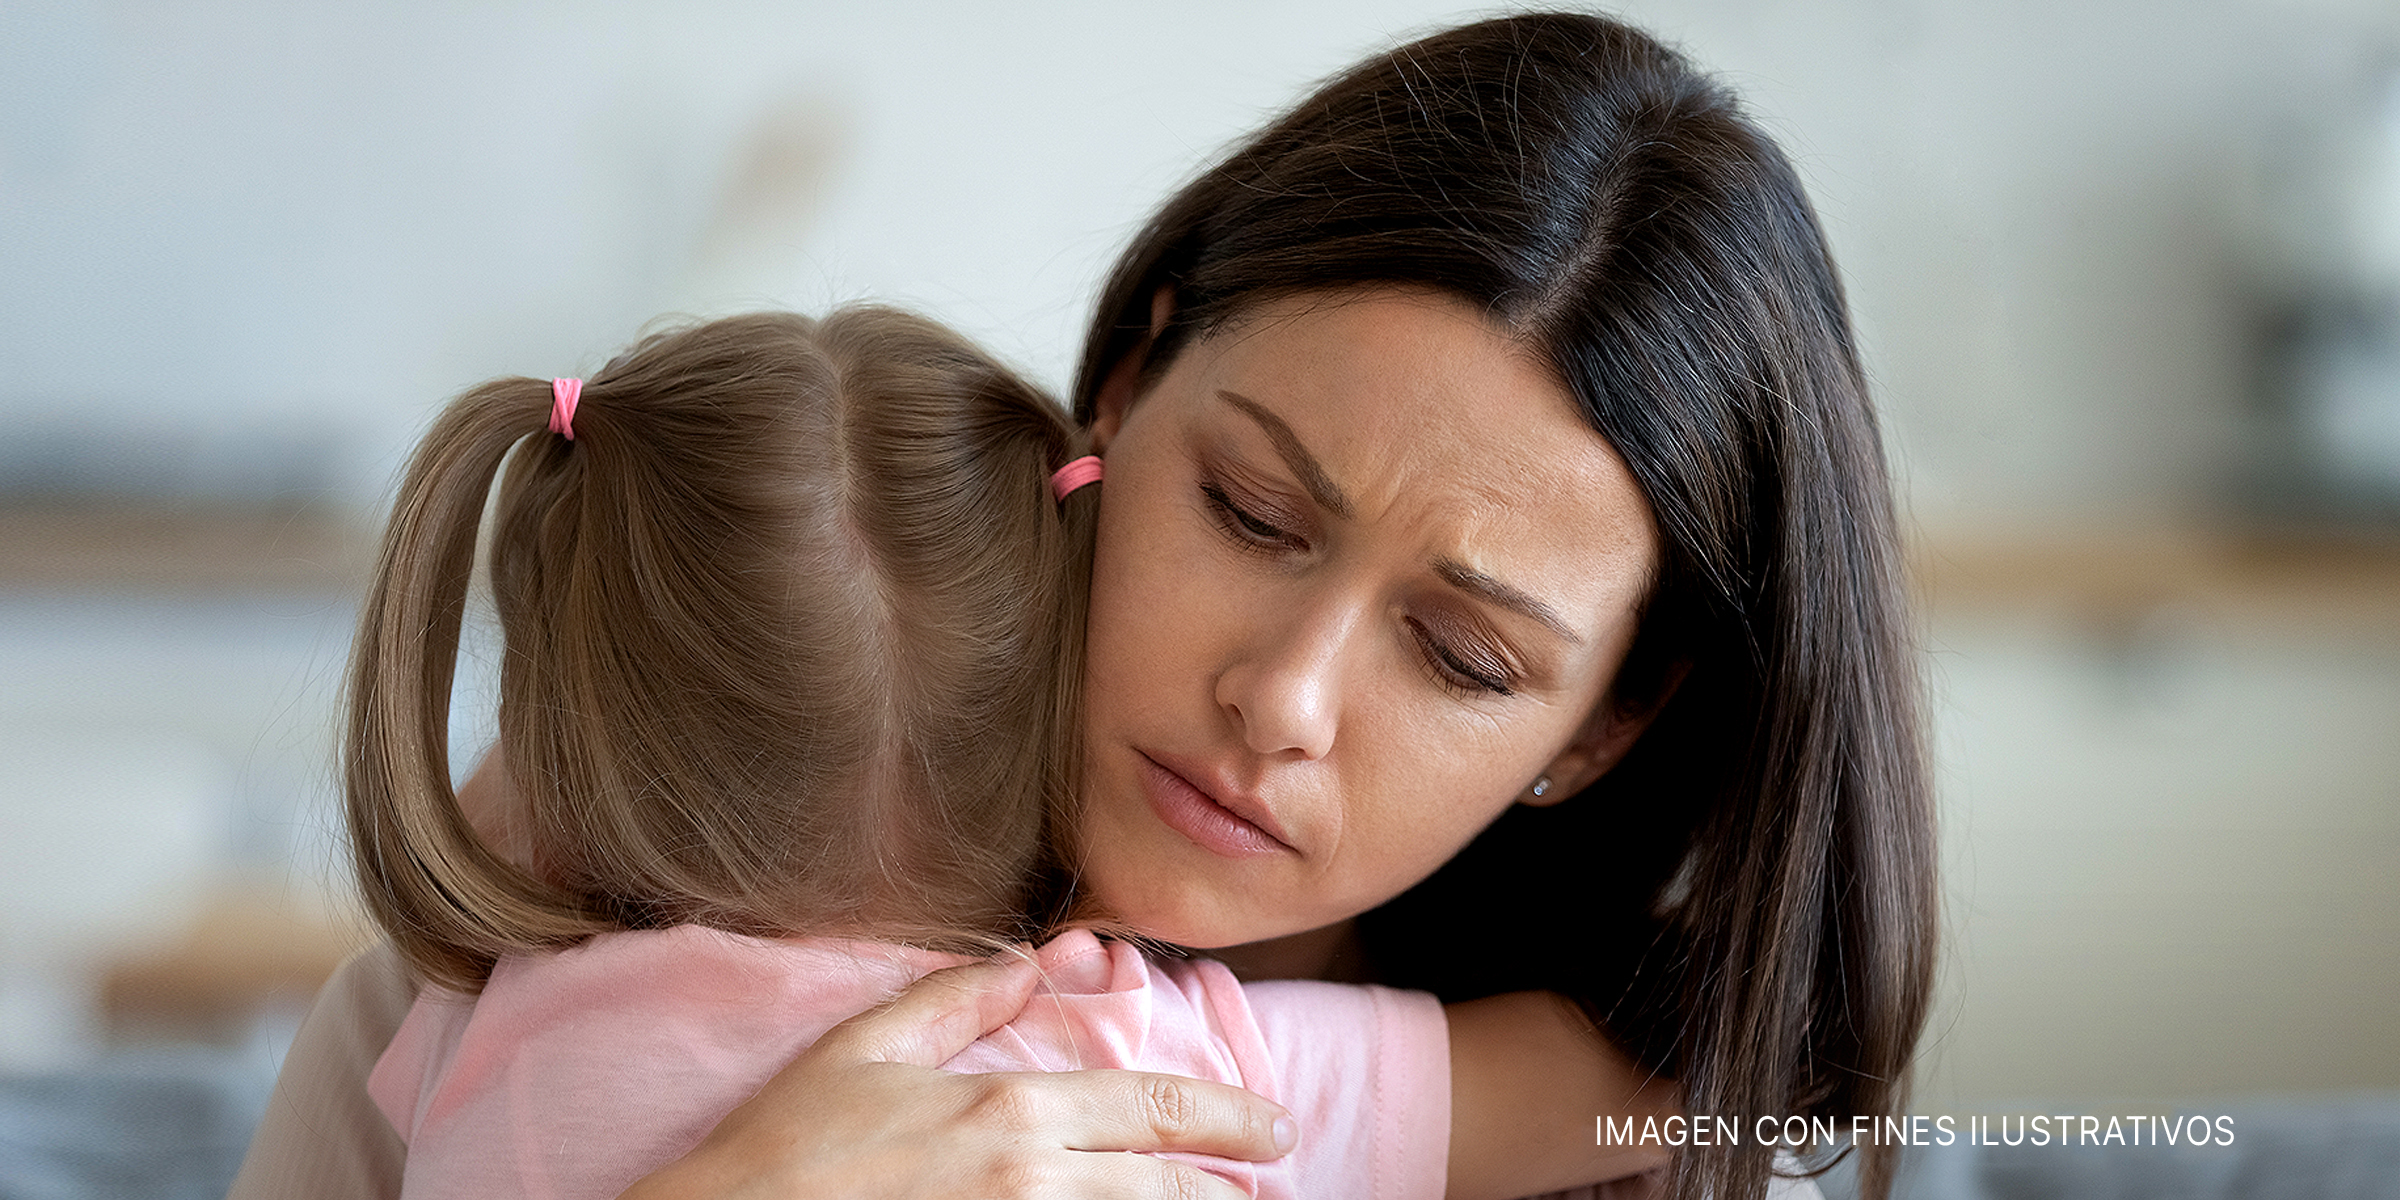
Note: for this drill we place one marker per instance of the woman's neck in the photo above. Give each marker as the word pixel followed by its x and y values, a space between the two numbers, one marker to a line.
pixel 1332 953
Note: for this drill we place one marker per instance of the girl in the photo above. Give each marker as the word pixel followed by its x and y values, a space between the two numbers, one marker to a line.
pixel 791 637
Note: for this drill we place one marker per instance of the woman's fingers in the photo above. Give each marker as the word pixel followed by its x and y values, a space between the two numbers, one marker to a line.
pixel 1135 1110
pixel 941 1014
pixel 936 1017
pixel 864 1113
pixel 1133 1175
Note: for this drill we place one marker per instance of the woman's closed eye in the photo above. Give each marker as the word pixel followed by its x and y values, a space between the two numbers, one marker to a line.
pixel 1247 528
pixel 1463 667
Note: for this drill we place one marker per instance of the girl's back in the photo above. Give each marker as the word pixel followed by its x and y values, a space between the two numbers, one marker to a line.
pixel 574 1074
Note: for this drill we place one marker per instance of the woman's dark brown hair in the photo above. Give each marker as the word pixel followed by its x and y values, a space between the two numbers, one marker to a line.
pixel 790 630
pixel 1747 901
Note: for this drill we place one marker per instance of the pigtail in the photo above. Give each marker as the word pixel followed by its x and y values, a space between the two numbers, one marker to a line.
pixel 447 900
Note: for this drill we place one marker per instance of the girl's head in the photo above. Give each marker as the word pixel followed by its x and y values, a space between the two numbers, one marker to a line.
pixel 1744 894
pixel 787 626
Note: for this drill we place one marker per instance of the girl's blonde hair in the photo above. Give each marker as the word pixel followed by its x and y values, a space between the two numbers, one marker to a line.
pixel 791 630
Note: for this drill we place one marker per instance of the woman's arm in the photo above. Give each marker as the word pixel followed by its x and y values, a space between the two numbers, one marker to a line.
pixel 1517 1082
pixel 1399 1096
pixel 1529 1078
pixel 864 1114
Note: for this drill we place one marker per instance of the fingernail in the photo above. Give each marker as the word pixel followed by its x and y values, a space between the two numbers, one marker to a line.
pixel 1287 1135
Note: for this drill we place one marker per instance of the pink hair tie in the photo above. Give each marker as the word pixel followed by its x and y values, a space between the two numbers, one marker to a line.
pixel 564 393
pixel 1074 475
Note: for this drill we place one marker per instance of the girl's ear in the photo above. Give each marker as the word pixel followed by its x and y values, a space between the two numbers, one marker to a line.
pixel 1607 735
pixel 1115 397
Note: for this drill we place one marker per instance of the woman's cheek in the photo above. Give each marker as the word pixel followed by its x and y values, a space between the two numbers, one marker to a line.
pixel 1455 793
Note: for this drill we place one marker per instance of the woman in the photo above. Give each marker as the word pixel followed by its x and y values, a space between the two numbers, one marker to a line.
pixel 1512 379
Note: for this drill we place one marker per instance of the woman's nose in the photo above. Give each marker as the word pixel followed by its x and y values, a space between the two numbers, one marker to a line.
pixel 1283 690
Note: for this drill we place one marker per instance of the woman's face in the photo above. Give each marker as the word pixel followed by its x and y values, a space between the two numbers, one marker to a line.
pixel 1363 575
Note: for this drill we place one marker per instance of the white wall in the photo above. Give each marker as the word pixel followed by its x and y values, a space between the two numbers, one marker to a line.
pixel 336 215
pixel 2171 858
pixel 237 215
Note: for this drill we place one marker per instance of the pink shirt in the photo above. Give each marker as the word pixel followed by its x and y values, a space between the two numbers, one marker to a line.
pixel 575 1074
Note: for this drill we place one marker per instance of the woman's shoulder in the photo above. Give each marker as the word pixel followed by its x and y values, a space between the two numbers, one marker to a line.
pixel 322 1135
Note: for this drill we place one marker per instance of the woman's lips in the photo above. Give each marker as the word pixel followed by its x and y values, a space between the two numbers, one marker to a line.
pixel 1197 815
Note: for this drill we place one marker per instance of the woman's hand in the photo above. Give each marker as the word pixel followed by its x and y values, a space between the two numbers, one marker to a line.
pixel 864 1113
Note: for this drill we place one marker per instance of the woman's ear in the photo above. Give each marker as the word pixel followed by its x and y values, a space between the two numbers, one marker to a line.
pixel 1606 737
pixel 1115 397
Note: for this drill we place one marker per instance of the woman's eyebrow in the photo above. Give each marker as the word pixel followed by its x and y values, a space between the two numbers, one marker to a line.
pixel 1473 582
pixel 1320 485
pixel 1329 497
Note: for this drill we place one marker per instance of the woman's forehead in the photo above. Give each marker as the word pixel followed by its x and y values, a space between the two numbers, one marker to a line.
pixel 1407 412
pixel 1416 370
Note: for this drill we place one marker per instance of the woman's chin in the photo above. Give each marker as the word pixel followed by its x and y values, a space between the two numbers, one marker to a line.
pixel 1177 911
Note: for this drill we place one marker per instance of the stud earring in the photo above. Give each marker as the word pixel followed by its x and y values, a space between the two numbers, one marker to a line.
pixel 1541 787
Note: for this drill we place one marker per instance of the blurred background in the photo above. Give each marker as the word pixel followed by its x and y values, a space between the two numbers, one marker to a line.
pixel 2127 274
